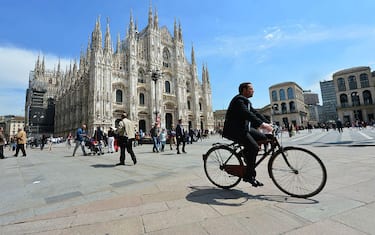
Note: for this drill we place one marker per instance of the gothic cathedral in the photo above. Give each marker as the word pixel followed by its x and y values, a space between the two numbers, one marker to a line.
pixel 147 75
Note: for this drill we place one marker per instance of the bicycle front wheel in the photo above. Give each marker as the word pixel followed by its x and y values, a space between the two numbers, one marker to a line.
pixel 216 161
pixel 297 172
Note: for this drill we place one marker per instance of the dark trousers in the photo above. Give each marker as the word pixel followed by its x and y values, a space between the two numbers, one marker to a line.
pixel 129 149
pixel 127 144
pixel 122 141
pixel 22 147
pixel 251 149
pixel 1 151
pixel 179 141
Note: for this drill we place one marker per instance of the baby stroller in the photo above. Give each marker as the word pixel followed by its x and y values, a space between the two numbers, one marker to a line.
pixel 93 145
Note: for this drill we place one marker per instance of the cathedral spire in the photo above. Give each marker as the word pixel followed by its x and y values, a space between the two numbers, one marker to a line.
pixel 118 45
pixel 179 31
pixel 207 76
pixel 37 64
pixel 150 15
pixel 97 36
pixel 192 55
pixel 156 20
pixel 175 32
pixel 108 41
pixel 43 66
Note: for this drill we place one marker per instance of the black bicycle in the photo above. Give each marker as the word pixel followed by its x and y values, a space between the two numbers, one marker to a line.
pixel 296 171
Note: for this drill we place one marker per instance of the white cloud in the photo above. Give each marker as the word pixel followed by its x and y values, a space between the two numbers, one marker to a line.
pixel 283 35
pixel 15 66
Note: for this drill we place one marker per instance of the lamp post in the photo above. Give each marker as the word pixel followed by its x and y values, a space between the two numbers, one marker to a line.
pixel 155 76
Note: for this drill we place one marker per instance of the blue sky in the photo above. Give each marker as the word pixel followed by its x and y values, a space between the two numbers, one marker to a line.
pixel 262 41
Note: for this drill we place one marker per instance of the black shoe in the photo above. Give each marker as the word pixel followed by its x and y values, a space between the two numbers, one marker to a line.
pixel 253 182
pixel 178 153
pixel 135 161
pixel 120 164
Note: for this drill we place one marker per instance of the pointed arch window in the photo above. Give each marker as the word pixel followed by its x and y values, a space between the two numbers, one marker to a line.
pixel 118 96
pixel 141 76
pixel 188 105
pixel 166 57
pixel 200 106
pixel 167 87
pixel 141 99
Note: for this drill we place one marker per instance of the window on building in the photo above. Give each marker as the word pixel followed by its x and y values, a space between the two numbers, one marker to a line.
pixel 290 93
pixel 355 99
pixel 352 82
pixel 166 57
pixel 167 87
pixel 141 76
pixel 200 106
pixel 188 104
pixel 344 101
pixel 341 84
pixel 282 94
pixel 284 108
pixel 292 107
pixel 141 99
pixel 367 97
pixel 118 96
pixel 363 78
pixel 274 95
pixel 187 87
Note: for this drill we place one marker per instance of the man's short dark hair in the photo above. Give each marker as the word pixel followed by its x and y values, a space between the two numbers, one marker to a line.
pixel 242 86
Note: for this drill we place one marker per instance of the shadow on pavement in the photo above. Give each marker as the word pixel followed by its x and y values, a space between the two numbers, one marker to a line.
pixel 216 196
pixel 103 165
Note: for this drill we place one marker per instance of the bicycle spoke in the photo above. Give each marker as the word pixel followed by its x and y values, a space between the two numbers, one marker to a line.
pixel 298 172
pixel 216 158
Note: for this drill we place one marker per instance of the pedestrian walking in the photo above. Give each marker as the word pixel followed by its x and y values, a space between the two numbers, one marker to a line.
pixel 126 136
pixel 21 141
pixel 163 139
pixel 99 137
pixel 111 140
pixel 180 136
pixel 155 140
pixel 80 135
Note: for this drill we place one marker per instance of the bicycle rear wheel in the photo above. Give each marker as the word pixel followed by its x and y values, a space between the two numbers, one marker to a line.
pixel 297 172
pixel 216 163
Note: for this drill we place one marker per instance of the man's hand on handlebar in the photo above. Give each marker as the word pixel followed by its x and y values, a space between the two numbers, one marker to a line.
pixel 266 128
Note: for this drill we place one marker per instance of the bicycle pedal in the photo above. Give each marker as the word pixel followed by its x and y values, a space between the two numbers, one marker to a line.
pixel 254 182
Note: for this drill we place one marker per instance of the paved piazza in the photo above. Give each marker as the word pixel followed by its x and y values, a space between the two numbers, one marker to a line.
pixel 51 192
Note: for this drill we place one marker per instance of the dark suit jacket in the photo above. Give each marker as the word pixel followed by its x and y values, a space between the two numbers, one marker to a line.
pixel 239 114
pixel 180 133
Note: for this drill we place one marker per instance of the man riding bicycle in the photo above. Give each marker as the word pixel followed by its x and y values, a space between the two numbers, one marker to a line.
pixel 241 124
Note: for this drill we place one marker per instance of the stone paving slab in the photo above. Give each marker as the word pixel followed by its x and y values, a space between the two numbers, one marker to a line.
pixel 170 194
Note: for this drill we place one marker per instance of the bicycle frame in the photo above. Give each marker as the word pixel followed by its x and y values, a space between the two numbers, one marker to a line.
pixel 275 146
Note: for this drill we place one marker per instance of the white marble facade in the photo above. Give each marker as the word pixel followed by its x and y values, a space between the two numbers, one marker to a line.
pixel 109 81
